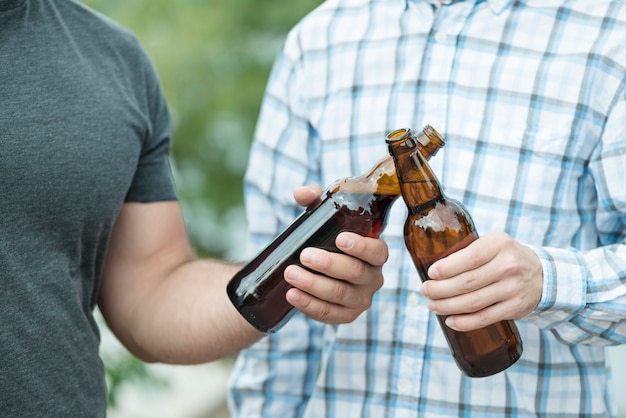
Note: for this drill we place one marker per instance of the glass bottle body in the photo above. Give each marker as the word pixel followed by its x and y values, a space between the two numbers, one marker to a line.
pixel 258 290
pixel 436 227
pixel 356 204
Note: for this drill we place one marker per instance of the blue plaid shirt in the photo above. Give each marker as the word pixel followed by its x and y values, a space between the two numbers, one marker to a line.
pixel 530 96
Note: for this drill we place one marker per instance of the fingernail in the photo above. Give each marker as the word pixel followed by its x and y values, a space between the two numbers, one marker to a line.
pixel 433 273
pixel 424 289
pixel 293 297
pixel 344 241
pixel 292 275
pixel 450 322
pixel 307 256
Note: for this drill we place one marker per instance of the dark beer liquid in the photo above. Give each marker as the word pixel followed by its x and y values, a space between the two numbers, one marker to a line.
pixel 442 230
pixel 258 290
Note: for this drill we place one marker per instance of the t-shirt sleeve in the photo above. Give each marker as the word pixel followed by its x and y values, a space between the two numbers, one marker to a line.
pixel 153 179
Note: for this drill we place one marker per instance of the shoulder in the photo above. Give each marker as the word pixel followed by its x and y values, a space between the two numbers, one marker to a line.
pixel 331 23
pixel 332 11
pixel 77 14
pixel 103 41
pixel 90 28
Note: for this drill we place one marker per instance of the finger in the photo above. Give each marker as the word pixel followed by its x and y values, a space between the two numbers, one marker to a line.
pixel 471 257
pixel 306 195
pixel 472 302
pixel 337 292
pixel 343 266
pixel 373 251
pixel 321 310
pixel 485 317
pixel 464 283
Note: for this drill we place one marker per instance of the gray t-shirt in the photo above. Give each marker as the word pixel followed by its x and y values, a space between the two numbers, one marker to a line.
pixel 83 128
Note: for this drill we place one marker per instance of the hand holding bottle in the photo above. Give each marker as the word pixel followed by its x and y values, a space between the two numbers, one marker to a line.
pixel 354 204
pixel 320 295
pixel 494 278
pixel 436 227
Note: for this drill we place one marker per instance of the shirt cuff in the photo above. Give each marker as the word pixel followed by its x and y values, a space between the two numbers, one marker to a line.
pixel 564 286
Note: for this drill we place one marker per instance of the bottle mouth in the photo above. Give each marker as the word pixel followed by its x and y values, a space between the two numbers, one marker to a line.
pixel 430 134
pixel 398 135
pixel 434 135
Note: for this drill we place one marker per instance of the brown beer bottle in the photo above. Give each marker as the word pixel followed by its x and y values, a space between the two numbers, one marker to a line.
pixel 356 204
pixel 437 226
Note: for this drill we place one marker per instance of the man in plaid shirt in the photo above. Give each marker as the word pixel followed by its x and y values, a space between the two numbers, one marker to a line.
pixel 530 95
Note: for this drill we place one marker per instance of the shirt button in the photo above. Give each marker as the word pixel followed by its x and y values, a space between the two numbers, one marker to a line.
pixel 441 37
pixel 404 387
pixel 413 299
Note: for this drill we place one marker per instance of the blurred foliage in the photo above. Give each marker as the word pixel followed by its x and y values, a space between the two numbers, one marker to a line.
pixel 126 369
pixel 213 58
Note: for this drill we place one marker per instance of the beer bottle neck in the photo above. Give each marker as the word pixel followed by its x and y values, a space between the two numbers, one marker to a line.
pixel 418 184
pixel 382 178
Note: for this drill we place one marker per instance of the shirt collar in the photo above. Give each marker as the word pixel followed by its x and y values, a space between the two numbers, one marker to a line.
pixel 496 6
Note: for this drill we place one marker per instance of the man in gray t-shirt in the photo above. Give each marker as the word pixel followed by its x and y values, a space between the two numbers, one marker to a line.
pixel 88 215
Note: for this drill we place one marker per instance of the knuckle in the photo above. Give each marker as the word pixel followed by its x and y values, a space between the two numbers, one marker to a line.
pixel 385 255
pixel 502 238
pixel 521 308
pixel 324 312
pixel 468 281
pixel 353 316
pixel 382 255
pixel 511 268
pixel 474 257
pixel 340 290
pixel 474 302
pixel 358 270
pixel 364 302
pixel 380 282
pixel 484 318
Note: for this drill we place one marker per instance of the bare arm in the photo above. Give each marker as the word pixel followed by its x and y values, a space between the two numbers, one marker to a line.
pixel 166 306
pixel 161 303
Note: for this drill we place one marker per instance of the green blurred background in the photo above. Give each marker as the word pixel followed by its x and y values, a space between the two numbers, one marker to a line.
pixel 213 58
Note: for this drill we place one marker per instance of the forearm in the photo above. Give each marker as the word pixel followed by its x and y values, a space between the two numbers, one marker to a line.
pixel 165 306
pixel 187 318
